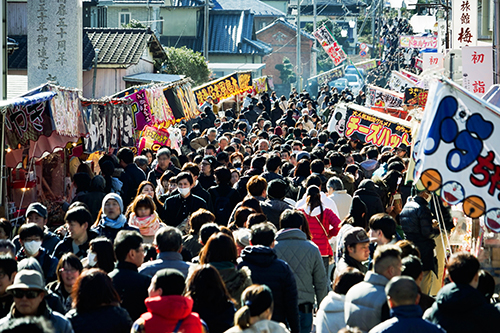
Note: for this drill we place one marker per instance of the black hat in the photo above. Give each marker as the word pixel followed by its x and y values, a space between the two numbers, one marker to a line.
pixel 171 281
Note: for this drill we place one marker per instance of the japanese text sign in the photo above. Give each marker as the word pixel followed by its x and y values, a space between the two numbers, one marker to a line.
pixel 330 75
pixel 140 110
pixel 416 96
pixel 418 42
pixel 464 23
pixel 223 88
pixel 153 138
pixel 330 45
pixel 456 151
pixel 399 82
pixel 432 60
pixel 378 129
pixel 477 69
pixel 380 97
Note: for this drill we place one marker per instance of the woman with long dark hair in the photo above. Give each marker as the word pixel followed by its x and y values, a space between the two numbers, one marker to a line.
pixel 96 305
pixel 101 254
pixel 211 299
pixel 323 222
pixel 220 252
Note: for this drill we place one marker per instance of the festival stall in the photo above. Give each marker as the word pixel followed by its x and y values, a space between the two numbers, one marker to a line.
pixel 51 130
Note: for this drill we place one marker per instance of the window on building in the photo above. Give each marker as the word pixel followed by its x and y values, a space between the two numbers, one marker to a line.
pixel 124 18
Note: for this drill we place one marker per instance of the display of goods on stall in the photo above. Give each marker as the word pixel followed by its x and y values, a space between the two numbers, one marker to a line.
pixel 455 151
pixel 224 88
pixel 358 122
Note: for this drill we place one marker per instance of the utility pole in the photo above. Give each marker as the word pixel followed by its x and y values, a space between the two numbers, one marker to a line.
pixel 205 30
pixel 496 36
pixel 299 67
pixel 314 54
pixel 373 28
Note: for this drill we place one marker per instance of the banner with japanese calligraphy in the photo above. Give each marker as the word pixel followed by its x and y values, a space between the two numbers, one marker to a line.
pixel 456 151
pixel 153 138
pixel 432 60
pixel 477 69
pixel 224 88
pixel 109 125
pixel 465 23
pixel 375 127
pixel 260 84
pixel 25 122
pixel 416 96
pixel 328 76
pixel 140 109
pixel 380 97
pixel 66 111
pixel 399 82
pixel 366 65
pixel 330 45
pixel 160 110
pixel 418 42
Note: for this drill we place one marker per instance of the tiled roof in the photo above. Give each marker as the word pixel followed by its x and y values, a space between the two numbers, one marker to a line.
pixel 231 32
pixel 118 46
pixel 256 7
pixel 291 26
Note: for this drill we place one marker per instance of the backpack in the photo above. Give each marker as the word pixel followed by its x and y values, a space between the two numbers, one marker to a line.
pixel 222 209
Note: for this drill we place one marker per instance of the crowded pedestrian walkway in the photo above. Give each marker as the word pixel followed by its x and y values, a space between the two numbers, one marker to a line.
pixel 262 221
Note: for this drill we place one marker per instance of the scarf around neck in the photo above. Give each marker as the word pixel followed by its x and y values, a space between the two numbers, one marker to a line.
pixel 148 225
pixel 118 223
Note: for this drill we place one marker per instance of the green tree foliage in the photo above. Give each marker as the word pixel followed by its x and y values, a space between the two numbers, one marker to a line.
pixel 287 74
pixel 324 62
pixel 184 61
pixel 134 24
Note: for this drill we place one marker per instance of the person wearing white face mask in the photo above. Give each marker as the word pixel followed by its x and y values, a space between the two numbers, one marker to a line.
pixel 180 206
pixel 30 236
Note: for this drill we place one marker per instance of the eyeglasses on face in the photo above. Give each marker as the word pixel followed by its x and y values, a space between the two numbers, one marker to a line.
pixel 68 271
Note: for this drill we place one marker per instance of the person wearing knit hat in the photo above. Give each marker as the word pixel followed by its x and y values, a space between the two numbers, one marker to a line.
pixel 168 310
pixel 112 219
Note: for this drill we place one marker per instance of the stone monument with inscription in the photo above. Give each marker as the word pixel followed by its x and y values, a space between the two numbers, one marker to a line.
pixel 55 33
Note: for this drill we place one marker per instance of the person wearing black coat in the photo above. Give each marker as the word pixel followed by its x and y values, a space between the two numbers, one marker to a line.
pixel 128 282
pixel 288 119
pixel 416 219
pixel 367 192
pixel 267 269
pixel 131 177
pixel 223 197
pixel 206 119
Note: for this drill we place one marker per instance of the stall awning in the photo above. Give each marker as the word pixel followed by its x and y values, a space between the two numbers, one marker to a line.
pixel 223 66
pixel 152 77
pixel 27 100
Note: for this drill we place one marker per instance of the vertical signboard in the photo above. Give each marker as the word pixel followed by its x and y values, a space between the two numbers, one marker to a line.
pixel 330 45
pixel 464 23
pixel 477 69
pixel 55 35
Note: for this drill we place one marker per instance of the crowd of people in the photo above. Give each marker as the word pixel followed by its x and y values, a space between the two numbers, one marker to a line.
pixel 261 222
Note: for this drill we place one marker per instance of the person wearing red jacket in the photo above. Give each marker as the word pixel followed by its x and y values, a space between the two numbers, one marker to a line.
pixel 168 310
pixel 323 223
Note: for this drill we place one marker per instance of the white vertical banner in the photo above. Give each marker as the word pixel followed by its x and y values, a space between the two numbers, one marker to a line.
pixel 464 23
pixel 432 60
pixel 441 36
pixel 477 69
